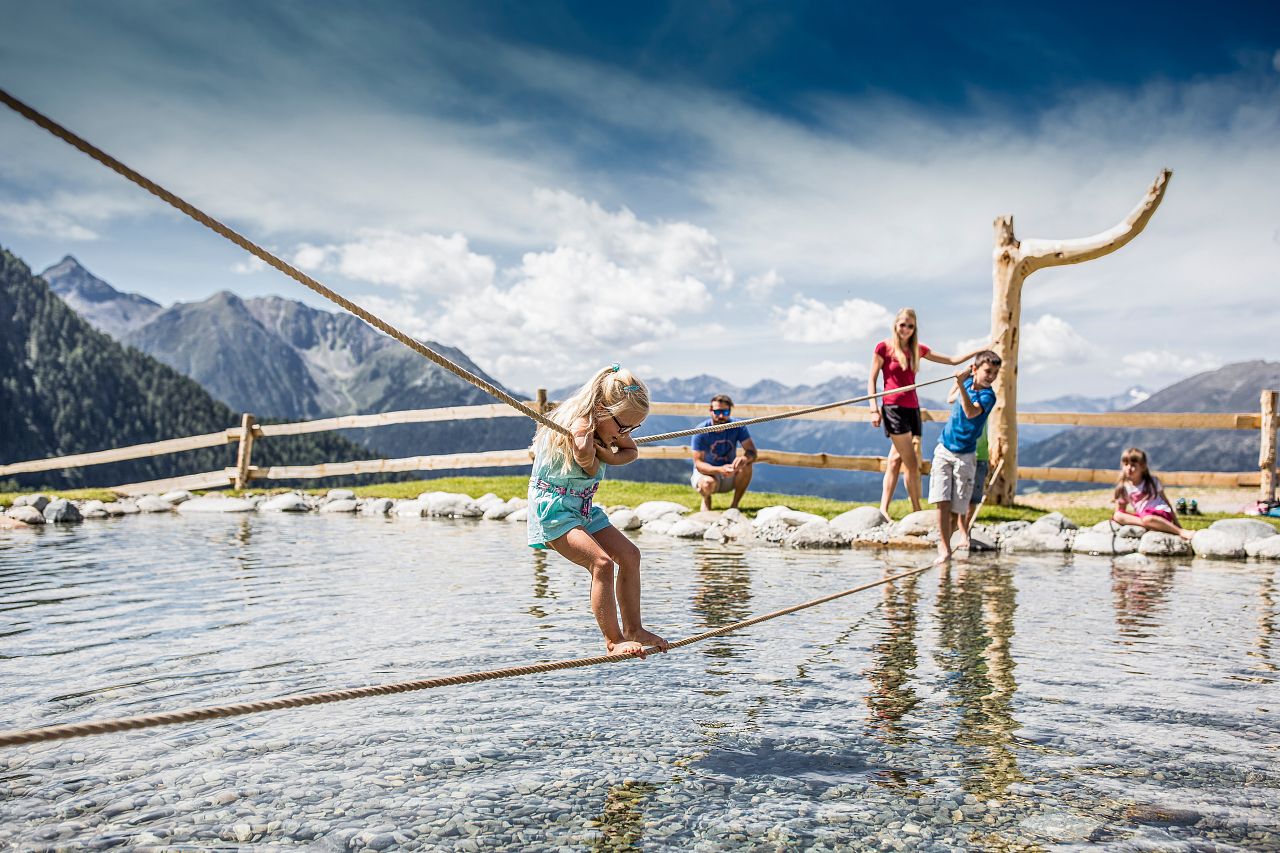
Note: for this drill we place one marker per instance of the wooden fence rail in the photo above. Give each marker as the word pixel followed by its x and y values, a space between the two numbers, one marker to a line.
pixel 249 431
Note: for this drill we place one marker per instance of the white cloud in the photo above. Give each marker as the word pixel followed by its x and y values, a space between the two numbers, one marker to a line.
pixel 808 321
pixel 1154 365
pixel 1049 342
pixel 249 265
pixel 67 215
pixel 760 287
pixel 417 263
pixel 828 369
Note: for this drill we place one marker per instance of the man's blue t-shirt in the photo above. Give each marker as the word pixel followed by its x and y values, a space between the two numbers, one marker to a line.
pixel 720 447
pixel 960 435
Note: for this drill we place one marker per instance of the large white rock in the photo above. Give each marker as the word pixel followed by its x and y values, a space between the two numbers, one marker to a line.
pixel 37 500
pixel 216 504
pixel 409 509
pixel 730 526
pixel 1129 531
pixel 859 520
pixel 376 506
pixel 340 494
pixel 1056 521
pixel 1220 544
pixel 662 524
pixel 1157 544
pixel 288 502
pixel 1267 548
pixel 498 511
pixel 343 505
pixel 649 510
pixel 176 497
pixel 791 517
pixel 918 523
pixel 127 507
pixel 1037 539
pixel 450 504
pixel 489 500
pixel 1103 542
pixel 26 513
pixel 153 503
pixel 521 514
pixel 1246 528
pixel 817 534
pixel 688 528
pixel 625 519
pixel 61 511
pixel 94 509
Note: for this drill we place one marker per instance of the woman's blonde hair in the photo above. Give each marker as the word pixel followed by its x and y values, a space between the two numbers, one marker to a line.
pixel 910 356
pixel 613 390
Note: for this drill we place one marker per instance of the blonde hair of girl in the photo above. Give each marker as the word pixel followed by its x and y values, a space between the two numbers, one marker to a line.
pixel 612 391
pixel 1137 456
pixel 908 357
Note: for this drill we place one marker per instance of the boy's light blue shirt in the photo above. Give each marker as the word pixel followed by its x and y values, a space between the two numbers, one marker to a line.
pixel 961 433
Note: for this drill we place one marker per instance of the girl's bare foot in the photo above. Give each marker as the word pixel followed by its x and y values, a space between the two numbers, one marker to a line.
pixel 1187 534
pixel 648 638
pixel 626 648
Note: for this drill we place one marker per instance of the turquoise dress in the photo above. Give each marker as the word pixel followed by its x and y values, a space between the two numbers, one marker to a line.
pixel 560 502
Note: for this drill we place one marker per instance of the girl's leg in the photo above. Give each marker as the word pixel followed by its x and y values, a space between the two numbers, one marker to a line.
pixel 1126 518
pixel 627 556
pixel 577 546
pixel 1164 525
pixel 891 470
pixel 906 447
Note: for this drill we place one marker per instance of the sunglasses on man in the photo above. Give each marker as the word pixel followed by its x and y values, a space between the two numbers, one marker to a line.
pixel 724 413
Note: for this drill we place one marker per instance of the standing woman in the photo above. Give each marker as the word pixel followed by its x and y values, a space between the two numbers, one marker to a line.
pixel 898 357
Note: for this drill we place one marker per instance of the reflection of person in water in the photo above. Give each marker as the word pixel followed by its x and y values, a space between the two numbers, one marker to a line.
pixel 975 618
pixel 723 595
pixel 1139 593
pixel 895 657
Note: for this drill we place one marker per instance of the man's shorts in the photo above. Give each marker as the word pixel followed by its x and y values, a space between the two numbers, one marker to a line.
pixel 951 478
pixel 979 481
pixel 898 420
pixel 724 482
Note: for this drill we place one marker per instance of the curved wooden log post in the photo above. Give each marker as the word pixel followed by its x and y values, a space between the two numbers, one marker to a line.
pixel 1013 261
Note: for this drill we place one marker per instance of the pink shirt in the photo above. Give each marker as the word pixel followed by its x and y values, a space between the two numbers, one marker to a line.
pixel 1145 504
pixel 898 376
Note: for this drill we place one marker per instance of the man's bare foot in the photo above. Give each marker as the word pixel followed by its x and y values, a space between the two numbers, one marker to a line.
pixel 648 638
pixel 626 648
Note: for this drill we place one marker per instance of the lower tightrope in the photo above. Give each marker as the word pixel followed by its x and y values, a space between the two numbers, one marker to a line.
pixel 192 715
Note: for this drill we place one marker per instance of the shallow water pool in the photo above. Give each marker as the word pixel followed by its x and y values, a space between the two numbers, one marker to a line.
pixel 1008 703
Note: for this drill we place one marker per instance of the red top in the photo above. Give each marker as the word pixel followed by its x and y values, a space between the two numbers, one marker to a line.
pixel 898 376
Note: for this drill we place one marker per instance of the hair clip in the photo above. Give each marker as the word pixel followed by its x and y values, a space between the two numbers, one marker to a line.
pixel 615 367
pixel 629 389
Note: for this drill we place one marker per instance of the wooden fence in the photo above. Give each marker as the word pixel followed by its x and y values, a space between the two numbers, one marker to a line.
pixel 249 431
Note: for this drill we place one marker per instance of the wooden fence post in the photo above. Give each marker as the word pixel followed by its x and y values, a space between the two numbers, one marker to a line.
pixel 244 454
pixel 542 401
pixel 1267 448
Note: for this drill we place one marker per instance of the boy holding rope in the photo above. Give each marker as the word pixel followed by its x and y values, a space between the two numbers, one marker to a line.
pixel 955 458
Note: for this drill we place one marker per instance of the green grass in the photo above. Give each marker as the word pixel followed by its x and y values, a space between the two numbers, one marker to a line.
pixel 634 493
pixel 6 498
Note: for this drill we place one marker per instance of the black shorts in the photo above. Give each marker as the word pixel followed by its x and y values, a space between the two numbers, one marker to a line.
pixel 900 419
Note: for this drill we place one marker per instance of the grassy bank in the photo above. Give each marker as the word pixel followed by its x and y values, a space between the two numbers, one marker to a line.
pixel 633 493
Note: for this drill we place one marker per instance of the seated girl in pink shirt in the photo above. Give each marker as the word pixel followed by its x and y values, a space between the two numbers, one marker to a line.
pixel 1142 493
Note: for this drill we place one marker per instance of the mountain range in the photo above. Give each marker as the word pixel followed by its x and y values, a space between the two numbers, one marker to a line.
pixel 66 388
pixel 283 359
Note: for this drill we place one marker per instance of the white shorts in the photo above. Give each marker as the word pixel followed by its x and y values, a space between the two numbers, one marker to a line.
pixel 951 478
pixel 724 482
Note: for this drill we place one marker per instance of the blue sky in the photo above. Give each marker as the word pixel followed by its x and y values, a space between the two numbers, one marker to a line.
pixel 744 189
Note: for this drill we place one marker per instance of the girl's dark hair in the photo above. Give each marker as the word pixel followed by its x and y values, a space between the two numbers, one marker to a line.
pixel 1139 456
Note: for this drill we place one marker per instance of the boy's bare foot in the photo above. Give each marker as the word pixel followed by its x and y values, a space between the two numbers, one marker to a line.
pixel 648 638
pixel 626 648
pixel 944 554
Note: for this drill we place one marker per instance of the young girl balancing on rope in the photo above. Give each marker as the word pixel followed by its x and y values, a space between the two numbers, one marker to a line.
pixel 898 357
pixel 1142 493
pixel 566 473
